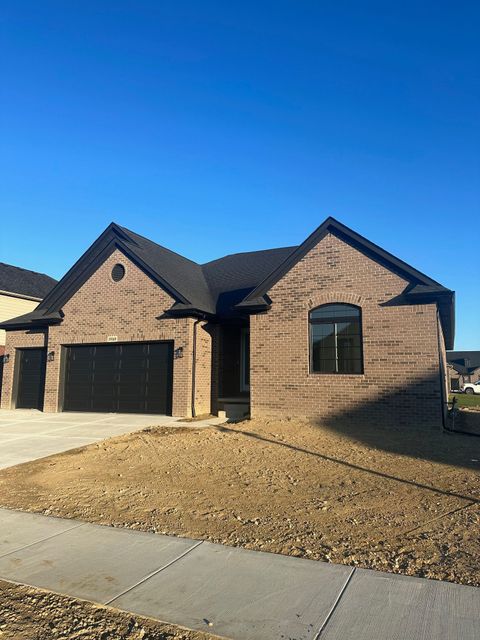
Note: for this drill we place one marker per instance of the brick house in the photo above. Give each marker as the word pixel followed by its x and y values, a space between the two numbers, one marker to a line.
pixel 21 290
pixel 462 367
pixel 334 329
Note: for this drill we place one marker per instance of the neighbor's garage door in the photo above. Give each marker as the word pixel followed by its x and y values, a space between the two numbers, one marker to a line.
pixel 124 378
pixel 31 378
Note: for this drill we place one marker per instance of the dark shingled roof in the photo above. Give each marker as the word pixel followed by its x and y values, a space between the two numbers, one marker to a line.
pixel 232 285
pixel 182 274
pixel 231 278
pixel 464 361
pixel 24 282
pixel 215 286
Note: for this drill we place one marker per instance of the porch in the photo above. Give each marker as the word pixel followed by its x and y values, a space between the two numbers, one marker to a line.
pixel 232 388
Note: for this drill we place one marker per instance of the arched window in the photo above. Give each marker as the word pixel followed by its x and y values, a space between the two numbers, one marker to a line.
pixel 336 339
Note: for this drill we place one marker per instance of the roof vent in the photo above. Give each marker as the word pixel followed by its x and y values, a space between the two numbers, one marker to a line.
pixel 118 272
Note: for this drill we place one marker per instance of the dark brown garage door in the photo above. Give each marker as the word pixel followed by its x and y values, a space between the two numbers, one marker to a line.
pixel 31 378
pixel 123 378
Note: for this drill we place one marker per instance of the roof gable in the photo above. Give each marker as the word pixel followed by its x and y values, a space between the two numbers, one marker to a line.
pixel 180 277
pixel 359 242
pixel 421 288
pixel 184 276
pixel 234 284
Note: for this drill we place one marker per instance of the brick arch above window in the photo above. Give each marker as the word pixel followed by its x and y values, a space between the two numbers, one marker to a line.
pixel 335 296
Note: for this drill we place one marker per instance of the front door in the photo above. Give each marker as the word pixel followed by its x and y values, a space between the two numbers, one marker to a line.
pixel 31 378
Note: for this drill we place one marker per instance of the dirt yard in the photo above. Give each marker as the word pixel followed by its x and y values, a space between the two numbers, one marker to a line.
pixel 407 502
pixel 34 614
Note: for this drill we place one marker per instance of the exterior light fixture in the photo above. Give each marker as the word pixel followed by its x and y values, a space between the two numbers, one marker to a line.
pixel 178 353
pixel 51 356
pixel 6 358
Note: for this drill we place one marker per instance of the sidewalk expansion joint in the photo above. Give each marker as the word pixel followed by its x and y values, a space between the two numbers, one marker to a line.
pixel 153 573
pixel 32 544
pixel 335 605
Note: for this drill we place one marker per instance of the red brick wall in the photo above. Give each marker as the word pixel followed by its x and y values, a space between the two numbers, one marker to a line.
pixel 401 382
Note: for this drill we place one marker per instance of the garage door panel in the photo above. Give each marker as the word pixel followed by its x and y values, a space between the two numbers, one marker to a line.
pixel 104 363
pixel 102 405
pixel 126 378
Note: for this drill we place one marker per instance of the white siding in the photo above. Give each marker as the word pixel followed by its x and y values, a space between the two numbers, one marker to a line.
pixel 11 307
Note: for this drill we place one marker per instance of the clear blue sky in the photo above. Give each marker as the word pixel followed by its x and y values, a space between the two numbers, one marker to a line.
pixel 216 127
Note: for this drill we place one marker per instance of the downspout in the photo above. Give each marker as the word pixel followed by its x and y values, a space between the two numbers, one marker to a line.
pixel 194 363
pixel 441 374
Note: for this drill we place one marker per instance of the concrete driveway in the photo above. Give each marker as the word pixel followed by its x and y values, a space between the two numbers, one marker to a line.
pixel 26 434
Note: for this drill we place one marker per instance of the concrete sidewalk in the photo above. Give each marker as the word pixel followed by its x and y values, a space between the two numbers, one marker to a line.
pixel 229 591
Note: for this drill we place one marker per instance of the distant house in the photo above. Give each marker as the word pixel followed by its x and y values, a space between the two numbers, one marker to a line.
pixel 20 292
pixel 335 329
pixel 462 367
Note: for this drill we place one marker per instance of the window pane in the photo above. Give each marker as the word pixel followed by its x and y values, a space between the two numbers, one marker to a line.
pixel 348 347
pixel 351 328
pixel 349 335
pixel 335 335
pixel 350 366
pixel 332 311
pixel 323 347
pixel 326 366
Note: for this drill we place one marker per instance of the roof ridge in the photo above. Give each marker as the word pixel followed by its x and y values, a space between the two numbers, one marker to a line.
pixel 243 253
pixel 202 264
pixel 175 253
pixel 196 265
pixel 37 273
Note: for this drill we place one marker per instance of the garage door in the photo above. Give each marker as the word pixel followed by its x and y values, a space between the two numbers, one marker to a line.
pixel 124 378
pixel 31 378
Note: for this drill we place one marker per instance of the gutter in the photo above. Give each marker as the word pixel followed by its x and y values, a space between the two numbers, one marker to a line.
pixel 445 301
pixel 22 296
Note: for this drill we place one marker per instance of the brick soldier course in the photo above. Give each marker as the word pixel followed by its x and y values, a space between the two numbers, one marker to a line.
pixel 406 326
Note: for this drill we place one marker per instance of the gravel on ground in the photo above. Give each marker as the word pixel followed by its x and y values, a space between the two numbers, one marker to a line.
pixel 35 614
pixel 404 501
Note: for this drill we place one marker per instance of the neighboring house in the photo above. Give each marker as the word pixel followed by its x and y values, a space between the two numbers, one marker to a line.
pixel 20 292
pixel 463 366
pixel 335 329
